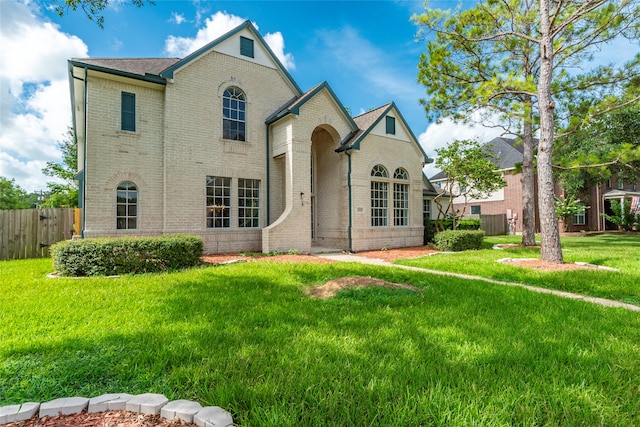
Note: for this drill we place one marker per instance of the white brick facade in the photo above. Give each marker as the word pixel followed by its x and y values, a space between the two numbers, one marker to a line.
pixel 303 148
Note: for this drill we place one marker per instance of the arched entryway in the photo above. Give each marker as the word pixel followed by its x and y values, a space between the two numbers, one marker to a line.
pixel 328 194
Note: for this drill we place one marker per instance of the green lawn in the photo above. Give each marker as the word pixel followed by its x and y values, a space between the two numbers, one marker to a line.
pixel 245 337
pixel 620 251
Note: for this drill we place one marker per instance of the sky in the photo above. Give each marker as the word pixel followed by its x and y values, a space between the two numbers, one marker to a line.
pixel 366 50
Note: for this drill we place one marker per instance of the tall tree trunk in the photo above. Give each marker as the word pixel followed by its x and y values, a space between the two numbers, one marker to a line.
pixel 528 178
pixel 550 247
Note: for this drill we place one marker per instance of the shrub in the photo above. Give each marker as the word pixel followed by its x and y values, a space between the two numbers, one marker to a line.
pixel 459 240
pixel 469 224
pixel 127 255
pixel 429 231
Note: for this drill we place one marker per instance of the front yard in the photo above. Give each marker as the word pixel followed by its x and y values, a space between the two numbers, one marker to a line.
pixel 247 337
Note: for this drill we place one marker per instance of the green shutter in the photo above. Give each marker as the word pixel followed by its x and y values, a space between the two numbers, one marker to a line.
pixel 246 47
pixel 128 109
pixel 391 125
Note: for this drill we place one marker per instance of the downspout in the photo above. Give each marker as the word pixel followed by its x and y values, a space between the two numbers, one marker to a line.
pixel 350 201
pixel 267 178
pixel 84 160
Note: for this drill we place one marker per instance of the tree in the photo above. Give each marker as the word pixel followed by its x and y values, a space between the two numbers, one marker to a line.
pixel 65 193
pixel 470 174
pixel 12 196
pixel 496 37
pixel 608 146
pixel 464 74
pixel 92 8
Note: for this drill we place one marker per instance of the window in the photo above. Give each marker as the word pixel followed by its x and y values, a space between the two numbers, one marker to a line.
pixel 580 218
pixel 426 208
pixel 391 125
pixel 379 197
pixel 248 203
pixel 475 210
pixel 127 206
pixel 400 204
pixel 218 202
pixel 400 198
pixel 620 183
pixel 246 47
pixel 128 112
pixel 233 112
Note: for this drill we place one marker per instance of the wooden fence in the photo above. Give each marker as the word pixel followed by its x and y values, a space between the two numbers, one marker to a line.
pixel 28 233
pixel 494 225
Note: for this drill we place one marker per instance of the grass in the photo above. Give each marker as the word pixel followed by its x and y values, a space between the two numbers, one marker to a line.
pixel 620 251
pixel 245 337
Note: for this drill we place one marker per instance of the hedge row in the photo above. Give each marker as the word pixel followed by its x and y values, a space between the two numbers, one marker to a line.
pixel 459 240
pixel 127 255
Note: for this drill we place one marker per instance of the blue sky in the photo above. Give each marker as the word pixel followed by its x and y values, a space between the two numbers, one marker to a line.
pixel 366 50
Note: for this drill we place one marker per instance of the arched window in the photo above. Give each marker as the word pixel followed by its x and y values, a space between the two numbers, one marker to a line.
pixel 234 107
pixel 127 206
pixel 379 196
pixel 400 198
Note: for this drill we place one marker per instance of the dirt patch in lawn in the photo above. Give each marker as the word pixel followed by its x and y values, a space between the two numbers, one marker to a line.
pixel 332 287
pixel 537 264
pixel 101 419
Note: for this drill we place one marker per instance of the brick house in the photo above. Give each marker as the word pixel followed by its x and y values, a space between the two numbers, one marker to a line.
pixel 224 144
pixel 506 201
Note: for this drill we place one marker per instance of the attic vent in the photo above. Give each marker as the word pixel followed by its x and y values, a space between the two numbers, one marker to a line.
pixel 246 47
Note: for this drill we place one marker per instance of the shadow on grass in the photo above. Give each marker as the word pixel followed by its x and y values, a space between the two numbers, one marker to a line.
pixel 248 339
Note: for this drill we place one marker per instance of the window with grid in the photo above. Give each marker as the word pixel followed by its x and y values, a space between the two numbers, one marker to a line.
pixel 475 210
pixel 580 218
pixel 400 198
pixel 127 206
pixel 234 107
pixel 400 204
pixel 218 202
pixel 426 208
pixel 248 203
pixel 379 197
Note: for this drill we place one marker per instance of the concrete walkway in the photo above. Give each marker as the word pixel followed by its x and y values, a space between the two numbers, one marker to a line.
pixel 342 257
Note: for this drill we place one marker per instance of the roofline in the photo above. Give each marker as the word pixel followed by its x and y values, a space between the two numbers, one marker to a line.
pixel 308 96
pixel 392 105
pixel 168 72
pixel 151 78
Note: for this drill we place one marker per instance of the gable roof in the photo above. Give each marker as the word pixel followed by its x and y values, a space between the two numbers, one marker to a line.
pixel 159 70
pixel 169 71
pixel 293 105
pixel 507 151
pixel 367 121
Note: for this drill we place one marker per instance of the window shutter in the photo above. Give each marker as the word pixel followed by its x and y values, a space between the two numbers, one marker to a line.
pixel 128 108
pixel 246 47
pixel 391 125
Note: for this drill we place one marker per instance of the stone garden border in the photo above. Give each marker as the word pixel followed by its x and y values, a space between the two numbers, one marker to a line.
pixel 147 403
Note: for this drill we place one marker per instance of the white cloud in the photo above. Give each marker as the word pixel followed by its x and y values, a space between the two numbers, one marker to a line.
pixel 177 18
pixel 276 43
pixel 217 25
pixel 35 93
pixel 438 135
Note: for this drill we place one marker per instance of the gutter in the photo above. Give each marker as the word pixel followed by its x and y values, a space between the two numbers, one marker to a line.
pixel 84 160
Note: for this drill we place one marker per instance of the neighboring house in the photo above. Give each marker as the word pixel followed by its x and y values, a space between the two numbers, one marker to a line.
pixel 224 144
pixel 598 200
pixel 506 201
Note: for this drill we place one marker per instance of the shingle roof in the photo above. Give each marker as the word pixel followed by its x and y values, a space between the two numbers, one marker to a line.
pixel 507 151
pixel 137 66
pixel 364 123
